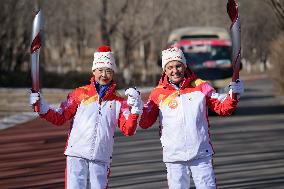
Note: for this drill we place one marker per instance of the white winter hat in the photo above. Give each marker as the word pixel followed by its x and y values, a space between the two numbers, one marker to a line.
pixel 104 58
pixel 172 53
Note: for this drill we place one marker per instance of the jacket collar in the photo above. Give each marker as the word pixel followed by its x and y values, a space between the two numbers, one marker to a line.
pixel 109 93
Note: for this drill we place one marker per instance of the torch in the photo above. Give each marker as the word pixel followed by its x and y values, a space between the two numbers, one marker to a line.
pixel 36 41
pixel 235 29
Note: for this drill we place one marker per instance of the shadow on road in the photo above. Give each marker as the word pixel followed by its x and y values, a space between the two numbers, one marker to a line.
pixel 254 97
pixel 259 110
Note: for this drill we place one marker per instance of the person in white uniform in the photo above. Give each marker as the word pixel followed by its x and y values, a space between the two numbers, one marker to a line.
pixel 181 102
pixel 95 110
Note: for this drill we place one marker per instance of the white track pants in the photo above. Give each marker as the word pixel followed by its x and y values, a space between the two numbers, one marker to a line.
pixel 78 170
pixel 178 174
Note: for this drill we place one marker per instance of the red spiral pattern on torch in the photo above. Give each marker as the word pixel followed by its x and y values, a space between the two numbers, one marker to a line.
pixel 232 10
pixel 36 43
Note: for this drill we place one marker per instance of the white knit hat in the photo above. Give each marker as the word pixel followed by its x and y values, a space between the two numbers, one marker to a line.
pixel 172 53
pixel 104 58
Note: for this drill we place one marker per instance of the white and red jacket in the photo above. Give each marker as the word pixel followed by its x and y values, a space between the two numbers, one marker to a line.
pixel 183 114
pixel 93 121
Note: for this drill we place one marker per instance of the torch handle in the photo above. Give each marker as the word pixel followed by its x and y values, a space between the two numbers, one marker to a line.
pixel 36 106
pixel 235 76
pixel 236 68
pixel 235 79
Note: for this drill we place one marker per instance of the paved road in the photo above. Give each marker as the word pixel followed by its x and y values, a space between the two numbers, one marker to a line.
pixel 249 150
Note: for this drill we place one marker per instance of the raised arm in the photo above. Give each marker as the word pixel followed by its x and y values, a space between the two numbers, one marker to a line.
pixel 223 105
pixel 58 116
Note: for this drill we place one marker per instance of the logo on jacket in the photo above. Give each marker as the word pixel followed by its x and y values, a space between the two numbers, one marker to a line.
pixel 173 104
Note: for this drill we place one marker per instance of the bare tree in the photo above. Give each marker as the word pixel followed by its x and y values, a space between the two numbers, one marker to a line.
pixel 258 29
pixel 142 20
pixel 136 30
pixel 14 35
pixel 276 52
pixel 69 29
pixel 108 22
pixel 278 9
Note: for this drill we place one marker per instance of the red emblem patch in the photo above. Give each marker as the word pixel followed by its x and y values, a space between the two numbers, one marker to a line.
pixel 173 104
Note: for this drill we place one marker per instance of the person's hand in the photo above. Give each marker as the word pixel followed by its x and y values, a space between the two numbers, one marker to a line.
pixel 43 106
pixel 134 100
pixel 236 88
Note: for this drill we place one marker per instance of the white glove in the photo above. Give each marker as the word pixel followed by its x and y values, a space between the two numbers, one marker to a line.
pixel 43 106
pixel 134 100
pixel 236 88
